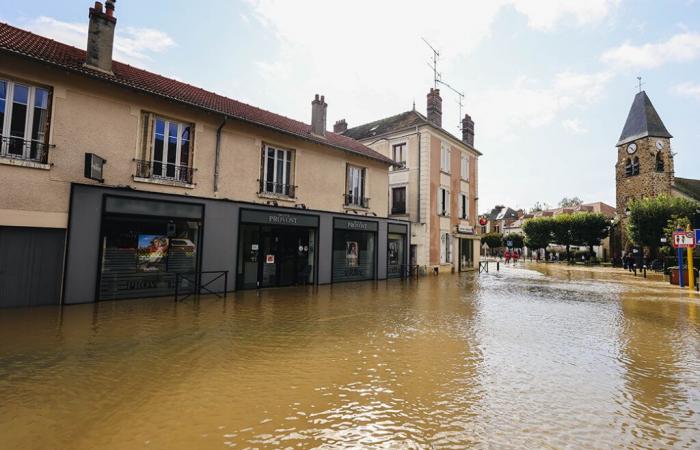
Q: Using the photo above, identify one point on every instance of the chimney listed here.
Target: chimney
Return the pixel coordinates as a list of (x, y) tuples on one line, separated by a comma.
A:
[(101, 37), (468, 130), (318, 116), (435, 107), (340, 126)]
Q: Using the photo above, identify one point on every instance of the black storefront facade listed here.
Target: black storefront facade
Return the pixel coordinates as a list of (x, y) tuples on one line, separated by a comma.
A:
[(124, 243)]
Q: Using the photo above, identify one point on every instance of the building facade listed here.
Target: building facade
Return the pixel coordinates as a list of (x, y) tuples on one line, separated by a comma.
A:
[(115, 179), (433, 184)]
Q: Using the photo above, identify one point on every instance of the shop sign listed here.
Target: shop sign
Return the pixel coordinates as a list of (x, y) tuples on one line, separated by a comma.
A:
[(398, 228), (275, 218), (465, 229), (683, 239), (357, 225), (93, 167)]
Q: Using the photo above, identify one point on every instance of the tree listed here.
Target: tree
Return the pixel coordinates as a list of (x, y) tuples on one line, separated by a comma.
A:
[(493, 240), (590, 229), (515, 238), (673, 224), (538, 232), (565, 233), (539, 206), (570, 202), (649, 216)]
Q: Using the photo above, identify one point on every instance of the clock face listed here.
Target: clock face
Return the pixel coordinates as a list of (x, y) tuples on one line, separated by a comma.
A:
[(631, 148), (659, 145)]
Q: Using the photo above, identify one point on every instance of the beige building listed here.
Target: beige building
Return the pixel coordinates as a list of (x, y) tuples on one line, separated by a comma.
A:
[(434, 183), (83, 135)]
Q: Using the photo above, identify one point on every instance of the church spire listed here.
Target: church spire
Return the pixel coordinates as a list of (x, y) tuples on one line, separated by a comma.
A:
[(642, 121)]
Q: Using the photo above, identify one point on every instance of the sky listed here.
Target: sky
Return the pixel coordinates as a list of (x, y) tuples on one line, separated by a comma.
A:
[(548, 83)]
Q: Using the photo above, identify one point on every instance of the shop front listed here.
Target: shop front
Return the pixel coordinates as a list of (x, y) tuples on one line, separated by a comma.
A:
[(465, 241), (396, 250), (354, 250), (276, 249), (144, 243)]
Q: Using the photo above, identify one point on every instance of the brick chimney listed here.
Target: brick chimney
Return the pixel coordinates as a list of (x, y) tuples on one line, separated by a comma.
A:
[(318, 116), (101, 37), (468, 130), (340, 126), (435, 107)]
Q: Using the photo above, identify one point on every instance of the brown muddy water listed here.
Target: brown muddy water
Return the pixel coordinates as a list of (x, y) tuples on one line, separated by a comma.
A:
[(516, 359)]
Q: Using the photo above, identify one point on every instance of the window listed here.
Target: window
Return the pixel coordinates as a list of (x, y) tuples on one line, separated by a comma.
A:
[(445, 247), (628, 167), (659, 162), (398, 200), (445, 154), (355, 189), (635, 166), (24, 121), (465, 167), (399, 154), (463, 206), (168, 150), (277, 171), (443, 202)]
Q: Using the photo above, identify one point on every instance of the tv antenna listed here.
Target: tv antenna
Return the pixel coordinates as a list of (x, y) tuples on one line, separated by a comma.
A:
[(437, 80)]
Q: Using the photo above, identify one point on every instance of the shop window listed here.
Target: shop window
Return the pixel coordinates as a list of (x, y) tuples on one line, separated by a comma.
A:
[(398, 200), (167, 152), (24, 121), (443, 203), (355, 187), (399, 154), (353, 255), (277, 171), (445, 155)]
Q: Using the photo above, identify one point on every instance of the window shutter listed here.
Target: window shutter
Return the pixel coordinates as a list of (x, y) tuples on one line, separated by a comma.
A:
[(363, 184), (190, 158), (147, 138), (447, 203), (439, 201), (262, 167)]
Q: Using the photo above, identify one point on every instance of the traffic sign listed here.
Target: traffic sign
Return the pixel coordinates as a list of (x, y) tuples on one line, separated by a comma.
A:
[(697, 235), (684, 239)]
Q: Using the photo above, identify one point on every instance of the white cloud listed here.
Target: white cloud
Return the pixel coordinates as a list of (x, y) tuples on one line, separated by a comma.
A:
[(545, 14), (681, 47), (688, 89), (132, 45), (574, 126)]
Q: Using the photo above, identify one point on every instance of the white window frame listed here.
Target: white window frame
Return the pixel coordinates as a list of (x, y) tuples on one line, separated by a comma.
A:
[(403, 162), (443, 202), (287, 156), (356, 182), (29, 119), (463, 206), (445, 156), (178, 148), (465, 167)]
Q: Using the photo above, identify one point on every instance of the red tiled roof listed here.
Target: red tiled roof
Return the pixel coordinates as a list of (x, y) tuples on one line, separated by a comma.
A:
[(30, 45)]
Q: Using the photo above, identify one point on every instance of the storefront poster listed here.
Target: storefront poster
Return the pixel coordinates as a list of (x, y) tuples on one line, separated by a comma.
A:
[(152, 253), (394, 252), (351, 253)]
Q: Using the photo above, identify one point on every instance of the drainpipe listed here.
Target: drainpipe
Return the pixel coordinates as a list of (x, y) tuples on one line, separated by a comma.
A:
[(217, 157)]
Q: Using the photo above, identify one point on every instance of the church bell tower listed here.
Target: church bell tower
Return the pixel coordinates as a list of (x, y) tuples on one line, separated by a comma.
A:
[(644, 160)]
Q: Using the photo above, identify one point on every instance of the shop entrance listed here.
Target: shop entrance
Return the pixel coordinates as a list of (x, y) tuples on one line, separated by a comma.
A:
[(466, 254), (275, 255)]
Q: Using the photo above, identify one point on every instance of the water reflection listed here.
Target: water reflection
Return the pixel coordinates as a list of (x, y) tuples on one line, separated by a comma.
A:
[(512, 359)]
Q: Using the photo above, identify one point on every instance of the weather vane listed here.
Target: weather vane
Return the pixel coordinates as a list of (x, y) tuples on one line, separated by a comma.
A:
[(639, 80)]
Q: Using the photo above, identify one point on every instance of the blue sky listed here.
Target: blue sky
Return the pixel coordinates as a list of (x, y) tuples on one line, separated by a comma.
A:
[(548, 82)]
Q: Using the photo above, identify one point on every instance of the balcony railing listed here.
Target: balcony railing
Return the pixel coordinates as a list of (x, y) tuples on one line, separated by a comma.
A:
[(274, 188), (164, 171), (17, 148), (398, 209), (354, 200)]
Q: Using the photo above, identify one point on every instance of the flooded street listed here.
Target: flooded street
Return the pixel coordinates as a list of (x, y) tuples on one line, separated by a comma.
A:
[(516, 359)]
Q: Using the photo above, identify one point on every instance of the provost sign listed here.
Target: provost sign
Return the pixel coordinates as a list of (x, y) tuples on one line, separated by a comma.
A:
[(684, 239)]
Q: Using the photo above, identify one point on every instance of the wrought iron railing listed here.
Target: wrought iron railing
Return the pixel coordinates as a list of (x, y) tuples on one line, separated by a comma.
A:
[(274, 188), (189, 284), (25, 150), (164, 171), (354, 200)]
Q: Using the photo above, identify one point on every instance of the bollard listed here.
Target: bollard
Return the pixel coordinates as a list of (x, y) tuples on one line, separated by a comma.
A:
[(498, 266), (644, 271), (635, 270)]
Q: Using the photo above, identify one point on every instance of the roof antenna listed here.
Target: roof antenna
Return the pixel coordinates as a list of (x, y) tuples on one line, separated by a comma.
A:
[(437, 79), (639, 80)]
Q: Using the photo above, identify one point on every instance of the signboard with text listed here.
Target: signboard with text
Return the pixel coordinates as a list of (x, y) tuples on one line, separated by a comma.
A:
[(684, 239)]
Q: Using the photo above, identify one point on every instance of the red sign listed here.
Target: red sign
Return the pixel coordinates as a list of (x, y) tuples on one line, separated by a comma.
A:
[(683, 239), (483, 221)]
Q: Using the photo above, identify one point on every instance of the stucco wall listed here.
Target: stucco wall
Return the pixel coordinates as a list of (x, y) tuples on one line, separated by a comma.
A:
[(97, 117)]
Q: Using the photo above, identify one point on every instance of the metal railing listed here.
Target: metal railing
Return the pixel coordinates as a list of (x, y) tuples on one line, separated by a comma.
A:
[(353, 200), (25, 150), (164, 171), (399, 209), (195, 286), (274, 188)]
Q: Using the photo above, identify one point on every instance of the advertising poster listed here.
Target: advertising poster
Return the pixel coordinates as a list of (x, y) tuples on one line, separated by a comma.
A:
[(351, 254), (152, 253), (394, 252)]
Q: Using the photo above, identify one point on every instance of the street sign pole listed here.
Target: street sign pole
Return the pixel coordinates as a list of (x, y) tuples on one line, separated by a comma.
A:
[(691, 274), (680, 264)]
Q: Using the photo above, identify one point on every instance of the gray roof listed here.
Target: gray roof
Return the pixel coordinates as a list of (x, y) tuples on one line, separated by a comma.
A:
[(688, 186), (642, 121)]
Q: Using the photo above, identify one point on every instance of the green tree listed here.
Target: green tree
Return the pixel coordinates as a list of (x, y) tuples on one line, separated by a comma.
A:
[(672, 226), (493, 240), (565, 233), (590, 229), (538, 232), (515, 238), (649, 216), (570, 202)]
